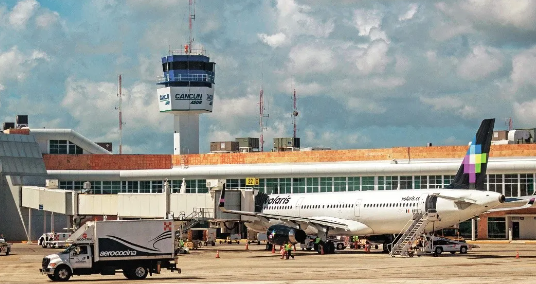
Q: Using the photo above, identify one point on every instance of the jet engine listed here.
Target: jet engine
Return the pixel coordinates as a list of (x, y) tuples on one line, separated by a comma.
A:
[(281, 234)]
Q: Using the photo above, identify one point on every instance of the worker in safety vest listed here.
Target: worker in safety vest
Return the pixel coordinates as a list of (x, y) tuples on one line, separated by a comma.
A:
[(356, 241), (288, 250)]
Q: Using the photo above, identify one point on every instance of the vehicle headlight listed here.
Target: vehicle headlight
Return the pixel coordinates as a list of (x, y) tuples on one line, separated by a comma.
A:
[(52, 265)]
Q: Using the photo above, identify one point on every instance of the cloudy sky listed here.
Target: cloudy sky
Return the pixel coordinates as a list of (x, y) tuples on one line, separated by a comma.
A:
[(368, 74)]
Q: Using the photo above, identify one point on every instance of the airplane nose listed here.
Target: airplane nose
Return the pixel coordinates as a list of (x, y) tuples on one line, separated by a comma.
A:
[(502, 199)]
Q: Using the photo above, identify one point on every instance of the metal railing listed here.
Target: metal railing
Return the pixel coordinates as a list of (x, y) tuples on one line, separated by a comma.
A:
[(185, 78)]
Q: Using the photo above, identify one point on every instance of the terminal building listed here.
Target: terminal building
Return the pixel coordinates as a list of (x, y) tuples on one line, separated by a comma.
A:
[(44, 186)]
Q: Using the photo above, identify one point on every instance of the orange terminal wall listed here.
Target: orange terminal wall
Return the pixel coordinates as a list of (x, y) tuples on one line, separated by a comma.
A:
[(140, 162)]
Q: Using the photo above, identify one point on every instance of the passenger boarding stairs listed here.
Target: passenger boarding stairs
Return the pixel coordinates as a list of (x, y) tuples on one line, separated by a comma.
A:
[(198, 215), (416, 227)]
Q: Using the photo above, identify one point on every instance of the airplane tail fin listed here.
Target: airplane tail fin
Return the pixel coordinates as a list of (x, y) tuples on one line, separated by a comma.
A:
[(472, 172)]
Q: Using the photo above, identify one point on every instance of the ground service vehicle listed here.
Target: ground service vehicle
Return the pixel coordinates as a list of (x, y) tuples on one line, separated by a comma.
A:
[(5, 247), (440, 245), (53, 240), (137, 248)]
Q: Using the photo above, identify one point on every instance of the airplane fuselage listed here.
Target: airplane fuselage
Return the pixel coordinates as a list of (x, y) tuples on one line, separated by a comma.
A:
[(379, 212)]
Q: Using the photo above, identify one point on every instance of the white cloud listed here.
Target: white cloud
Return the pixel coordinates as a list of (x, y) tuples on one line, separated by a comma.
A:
[(525, 112), (365, 20), (233, 109), (413, 8), (524, 68), (274, 40), (302, 88), (22, 12), (293, 20), (450, 104), (480, 63), (97, 113), (2, 87), (306, 59), (375, 59), (47, 19), (520, 13), (16, 65), (362, 105)]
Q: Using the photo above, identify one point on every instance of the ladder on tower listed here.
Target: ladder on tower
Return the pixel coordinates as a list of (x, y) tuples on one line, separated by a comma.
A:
[(416, 227)]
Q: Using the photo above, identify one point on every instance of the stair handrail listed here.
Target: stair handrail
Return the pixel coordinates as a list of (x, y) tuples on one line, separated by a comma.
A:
[(405, 231)]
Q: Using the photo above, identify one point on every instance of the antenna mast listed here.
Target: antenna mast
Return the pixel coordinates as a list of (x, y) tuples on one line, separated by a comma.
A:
[(294, 114), (261, 116), (190, 18), (120, 118)]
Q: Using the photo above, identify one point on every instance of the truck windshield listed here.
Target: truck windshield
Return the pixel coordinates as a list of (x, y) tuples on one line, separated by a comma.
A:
[(68, 250)]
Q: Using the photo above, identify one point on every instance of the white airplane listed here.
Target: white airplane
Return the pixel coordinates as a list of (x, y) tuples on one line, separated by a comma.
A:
[(382, 214)]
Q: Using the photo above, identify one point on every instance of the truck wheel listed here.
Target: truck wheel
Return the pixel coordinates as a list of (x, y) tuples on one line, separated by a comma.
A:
[(139, 273), (62, 273), (438, 250), (340, 246), (463, 250), (51, 277)]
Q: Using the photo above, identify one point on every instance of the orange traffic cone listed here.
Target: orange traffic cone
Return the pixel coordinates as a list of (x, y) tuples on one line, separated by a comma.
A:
[(217, 254), (517, 254), (273, 248), (247, 248)]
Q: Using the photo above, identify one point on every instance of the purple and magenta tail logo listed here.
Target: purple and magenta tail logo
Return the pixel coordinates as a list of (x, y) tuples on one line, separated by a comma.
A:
[(473, 160)]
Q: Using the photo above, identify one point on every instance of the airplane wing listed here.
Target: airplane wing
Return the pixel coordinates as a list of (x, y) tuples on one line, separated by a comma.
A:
[(457, 199), (529, 203), (324, 223)]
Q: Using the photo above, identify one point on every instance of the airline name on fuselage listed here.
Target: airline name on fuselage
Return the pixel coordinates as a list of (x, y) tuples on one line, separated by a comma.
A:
[(411, 198), (188, 97), (278, 200)]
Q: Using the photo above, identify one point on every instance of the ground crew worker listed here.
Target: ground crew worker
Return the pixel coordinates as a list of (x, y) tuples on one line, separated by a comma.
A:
[(317, 242), (181, 243), (288, 250)]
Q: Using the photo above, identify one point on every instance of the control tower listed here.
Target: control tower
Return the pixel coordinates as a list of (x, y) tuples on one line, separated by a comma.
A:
[(186, 89)]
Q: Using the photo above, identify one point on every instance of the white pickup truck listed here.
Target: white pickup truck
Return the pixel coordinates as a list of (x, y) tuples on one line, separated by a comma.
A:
[(53, 240), (138, 248)]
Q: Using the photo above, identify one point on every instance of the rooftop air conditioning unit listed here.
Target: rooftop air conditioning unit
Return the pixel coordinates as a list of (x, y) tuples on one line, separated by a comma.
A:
[(51, 183)]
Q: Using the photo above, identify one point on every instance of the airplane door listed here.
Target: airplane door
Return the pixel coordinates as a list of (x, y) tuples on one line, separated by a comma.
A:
[(357, 207), (298, 206), (431, 203)]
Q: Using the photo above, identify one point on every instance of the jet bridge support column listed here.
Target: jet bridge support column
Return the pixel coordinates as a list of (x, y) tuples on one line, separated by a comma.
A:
[(473, 229), (29, 225)]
